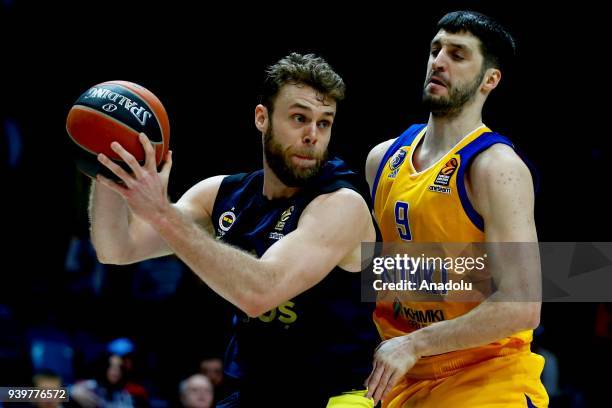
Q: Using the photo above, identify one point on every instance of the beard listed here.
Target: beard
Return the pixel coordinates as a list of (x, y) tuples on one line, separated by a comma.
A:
[(279, 161), (458, 96)]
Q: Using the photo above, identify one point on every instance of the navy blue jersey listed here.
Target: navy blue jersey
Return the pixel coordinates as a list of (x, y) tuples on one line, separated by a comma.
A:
[(323, 339)]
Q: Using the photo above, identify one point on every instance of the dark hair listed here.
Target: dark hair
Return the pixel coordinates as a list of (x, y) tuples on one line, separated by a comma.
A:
[(301, 69), (496, 43), (45, 373)]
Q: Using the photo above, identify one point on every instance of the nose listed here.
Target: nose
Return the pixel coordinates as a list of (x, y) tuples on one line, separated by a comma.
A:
[(439, 61), (310, 133)]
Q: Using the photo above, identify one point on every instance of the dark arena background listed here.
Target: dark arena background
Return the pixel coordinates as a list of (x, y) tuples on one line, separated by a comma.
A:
[(60, 309)]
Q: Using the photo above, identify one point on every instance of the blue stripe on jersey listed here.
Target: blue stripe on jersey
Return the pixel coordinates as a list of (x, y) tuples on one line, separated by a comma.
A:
[(467, 154), (529, 403), (405, 139)]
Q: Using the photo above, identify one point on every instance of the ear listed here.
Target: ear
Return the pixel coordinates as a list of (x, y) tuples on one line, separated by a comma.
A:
[(491, 79), (261, 118)]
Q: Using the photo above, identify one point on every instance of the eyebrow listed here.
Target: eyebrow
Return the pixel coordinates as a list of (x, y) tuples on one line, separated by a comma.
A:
[(452, 44), (299, 105)]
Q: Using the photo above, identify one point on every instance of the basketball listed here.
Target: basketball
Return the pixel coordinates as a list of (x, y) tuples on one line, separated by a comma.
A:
[(116, 111)]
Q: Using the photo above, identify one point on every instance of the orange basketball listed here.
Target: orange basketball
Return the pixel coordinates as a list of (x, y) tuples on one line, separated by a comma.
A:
[(116, 111)]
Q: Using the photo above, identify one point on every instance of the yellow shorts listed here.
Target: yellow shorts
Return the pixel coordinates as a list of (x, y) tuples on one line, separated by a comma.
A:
[(509, 381), (352, 399)]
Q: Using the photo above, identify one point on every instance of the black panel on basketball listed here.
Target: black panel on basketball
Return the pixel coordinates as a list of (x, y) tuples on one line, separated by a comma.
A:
[(122, 104)]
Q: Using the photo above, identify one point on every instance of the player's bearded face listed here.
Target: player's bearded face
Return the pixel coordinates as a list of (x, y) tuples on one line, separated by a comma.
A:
[(279, 160), (458, 94)]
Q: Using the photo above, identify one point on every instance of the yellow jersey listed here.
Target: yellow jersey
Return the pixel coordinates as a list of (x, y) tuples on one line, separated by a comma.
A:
[(432, 205)]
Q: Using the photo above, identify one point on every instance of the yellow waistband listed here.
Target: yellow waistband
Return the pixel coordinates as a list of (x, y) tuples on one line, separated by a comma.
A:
[(447, 364)]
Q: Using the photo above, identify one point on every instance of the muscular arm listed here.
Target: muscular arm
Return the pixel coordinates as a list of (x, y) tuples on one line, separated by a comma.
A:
[(295, 263), (329, 233), (501, 190), (120, 237)]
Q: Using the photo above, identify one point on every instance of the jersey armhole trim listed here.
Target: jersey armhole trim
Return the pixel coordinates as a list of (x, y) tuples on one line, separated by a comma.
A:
[(405, 139), (467, 154)]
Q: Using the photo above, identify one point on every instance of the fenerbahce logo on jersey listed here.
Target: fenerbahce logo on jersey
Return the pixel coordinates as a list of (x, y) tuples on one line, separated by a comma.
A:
[(442, 181), (226, 220), (395, 162), (280, 225)]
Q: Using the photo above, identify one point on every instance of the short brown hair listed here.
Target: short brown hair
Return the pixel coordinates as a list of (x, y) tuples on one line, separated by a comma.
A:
[(306, 69)]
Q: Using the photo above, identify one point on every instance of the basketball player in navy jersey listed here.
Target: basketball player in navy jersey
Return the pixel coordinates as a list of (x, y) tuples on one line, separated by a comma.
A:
[(282, 244)]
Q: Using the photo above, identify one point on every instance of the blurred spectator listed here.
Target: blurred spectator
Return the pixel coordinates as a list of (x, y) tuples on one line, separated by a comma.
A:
[(122, 347), (196, 392), (212, 367), (112, 388), (50, 349), (48, 380)]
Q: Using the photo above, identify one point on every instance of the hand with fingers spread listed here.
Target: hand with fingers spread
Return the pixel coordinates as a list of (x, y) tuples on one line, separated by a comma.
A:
[(393, 358), (145, 190)]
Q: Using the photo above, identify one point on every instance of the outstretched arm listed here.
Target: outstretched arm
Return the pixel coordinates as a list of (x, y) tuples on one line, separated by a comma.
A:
[(293, 264)]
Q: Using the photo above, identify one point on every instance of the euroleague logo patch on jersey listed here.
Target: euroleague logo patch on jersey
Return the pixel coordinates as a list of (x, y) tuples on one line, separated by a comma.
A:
[(284, 218), (444, 176), (396, 161), (442, 181), (280, 225), (226, 220)]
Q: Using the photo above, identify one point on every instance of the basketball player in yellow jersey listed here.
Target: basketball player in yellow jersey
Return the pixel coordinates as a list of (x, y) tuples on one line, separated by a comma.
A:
[(454, 180)]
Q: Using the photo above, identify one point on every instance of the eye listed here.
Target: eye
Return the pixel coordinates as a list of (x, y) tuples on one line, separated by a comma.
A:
[(458, 56), (324, 124), (435, 51), (299, 118)]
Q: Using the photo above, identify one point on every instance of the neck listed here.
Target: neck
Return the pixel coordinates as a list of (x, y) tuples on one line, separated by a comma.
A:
[(273, 187), (444, 132)]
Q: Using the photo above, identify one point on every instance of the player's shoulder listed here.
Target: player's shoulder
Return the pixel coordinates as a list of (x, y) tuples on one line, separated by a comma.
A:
[(201, 197), (343, 196), (497, 158), (344, 211), (224, 184), (500, 185), (500, 169), (374, 158), (206, 186), (378, 151), (344, 203)]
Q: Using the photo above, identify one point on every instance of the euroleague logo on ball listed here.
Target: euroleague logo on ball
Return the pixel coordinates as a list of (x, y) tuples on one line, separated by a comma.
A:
[(109, 107), (139, 112), (116, 111)]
